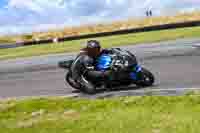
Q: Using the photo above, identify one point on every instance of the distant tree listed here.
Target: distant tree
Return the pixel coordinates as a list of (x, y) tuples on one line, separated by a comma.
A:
[(28, 37)]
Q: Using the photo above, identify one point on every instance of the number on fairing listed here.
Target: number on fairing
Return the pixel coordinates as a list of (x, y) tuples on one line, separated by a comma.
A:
[(118, 62)]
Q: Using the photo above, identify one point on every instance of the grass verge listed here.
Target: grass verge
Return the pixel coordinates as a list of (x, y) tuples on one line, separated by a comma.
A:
[(110, 41), (119, 115), (103, 27)]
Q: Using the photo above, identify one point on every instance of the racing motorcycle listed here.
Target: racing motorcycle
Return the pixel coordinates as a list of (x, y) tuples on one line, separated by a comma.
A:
[(125, 71)]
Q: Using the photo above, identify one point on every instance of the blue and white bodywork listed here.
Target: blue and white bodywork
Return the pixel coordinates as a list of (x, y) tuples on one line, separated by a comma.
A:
[(104, 62)]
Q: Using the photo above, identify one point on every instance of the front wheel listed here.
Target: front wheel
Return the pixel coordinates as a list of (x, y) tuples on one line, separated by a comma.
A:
[(88, 88), (71, 81), (147, 78)]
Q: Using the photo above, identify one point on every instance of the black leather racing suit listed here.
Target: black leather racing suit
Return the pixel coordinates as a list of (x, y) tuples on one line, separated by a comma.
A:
[(83, 69)]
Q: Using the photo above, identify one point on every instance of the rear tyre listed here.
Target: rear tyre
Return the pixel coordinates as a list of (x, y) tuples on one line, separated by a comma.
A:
[(147, 78)]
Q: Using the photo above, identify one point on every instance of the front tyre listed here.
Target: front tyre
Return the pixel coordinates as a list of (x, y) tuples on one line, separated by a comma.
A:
[(71, 81), (87, 88), (147, 78)]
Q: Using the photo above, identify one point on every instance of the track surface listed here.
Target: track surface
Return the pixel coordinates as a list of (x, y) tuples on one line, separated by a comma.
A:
[(176, 64)]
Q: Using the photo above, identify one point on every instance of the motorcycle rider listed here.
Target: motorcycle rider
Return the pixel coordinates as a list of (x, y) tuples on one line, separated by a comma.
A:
[(83, 67)]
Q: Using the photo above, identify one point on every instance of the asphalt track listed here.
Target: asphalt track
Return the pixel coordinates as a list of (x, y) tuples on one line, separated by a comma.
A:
[(175, 64)]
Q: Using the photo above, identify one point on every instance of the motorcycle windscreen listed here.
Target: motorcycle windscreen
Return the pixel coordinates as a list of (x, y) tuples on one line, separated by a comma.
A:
[(103, 62)]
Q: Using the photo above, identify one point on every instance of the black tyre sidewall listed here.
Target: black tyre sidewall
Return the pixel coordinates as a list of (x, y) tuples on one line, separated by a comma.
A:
[(90, 89), (147, 73), (79, 87), (67, 78)]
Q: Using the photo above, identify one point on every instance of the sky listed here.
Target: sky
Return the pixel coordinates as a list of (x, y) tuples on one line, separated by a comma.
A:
[(21, 16)]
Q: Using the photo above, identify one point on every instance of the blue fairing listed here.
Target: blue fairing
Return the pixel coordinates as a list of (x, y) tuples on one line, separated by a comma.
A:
[(103, 62)]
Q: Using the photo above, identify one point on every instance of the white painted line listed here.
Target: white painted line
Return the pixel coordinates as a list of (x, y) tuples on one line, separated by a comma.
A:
[(196, 45), (40, 96), (174, 89), (142, 91)]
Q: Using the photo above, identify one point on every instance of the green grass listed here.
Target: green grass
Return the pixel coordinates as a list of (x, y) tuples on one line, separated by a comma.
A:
[(111, 41), (119, 115)]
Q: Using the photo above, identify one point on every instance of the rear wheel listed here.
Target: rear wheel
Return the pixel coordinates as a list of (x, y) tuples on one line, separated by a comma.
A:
[(147, 78)]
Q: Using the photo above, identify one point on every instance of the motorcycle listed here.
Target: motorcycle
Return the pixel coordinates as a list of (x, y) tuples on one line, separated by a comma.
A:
[(125, 71)]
